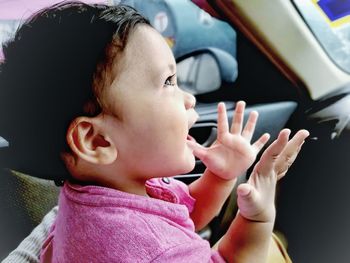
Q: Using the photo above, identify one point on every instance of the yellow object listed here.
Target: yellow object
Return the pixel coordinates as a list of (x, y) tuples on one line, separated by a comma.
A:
[(338, 22), (278, 252)]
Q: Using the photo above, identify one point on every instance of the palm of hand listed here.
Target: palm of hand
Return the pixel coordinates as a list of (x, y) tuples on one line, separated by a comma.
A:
[(232, 153), (231, 156), (256, 197)]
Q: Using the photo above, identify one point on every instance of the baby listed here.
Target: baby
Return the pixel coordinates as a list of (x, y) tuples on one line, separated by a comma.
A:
[(96, 105)]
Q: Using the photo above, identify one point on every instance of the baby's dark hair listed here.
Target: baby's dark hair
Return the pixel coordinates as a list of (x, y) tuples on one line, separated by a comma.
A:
[(55, 69)]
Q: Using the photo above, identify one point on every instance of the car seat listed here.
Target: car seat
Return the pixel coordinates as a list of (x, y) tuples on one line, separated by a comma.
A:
[(24, 200)]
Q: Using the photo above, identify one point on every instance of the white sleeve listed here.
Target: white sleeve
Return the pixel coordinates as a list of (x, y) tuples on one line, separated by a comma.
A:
[(28, 250)]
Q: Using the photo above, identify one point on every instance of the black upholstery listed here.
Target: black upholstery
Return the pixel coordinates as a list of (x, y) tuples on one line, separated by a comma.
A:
[(24, 200)]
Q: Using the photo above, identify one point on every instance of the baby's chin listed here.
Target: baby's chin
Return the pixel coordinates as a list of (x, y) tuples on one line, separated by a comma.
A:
[(190, 163)]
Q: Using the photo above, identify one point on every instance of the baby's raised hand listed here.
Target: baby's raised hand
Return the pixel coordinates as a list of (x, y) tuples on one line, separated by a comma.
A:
[(256, 197), (232, 154)]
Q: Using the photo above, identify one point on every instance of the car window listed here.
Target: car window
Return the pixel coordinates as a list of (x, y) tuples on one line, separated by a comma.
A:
[(7, 29), (330, 23)]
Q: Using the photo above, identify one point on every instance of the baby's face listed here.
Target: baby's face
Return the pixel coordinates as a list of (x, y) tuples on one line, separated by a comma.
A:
[(151, 133)]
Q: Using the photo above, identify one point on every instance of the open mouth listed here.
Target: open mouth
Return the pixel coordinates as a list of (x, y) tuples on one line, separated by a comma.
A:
[(190, 138)]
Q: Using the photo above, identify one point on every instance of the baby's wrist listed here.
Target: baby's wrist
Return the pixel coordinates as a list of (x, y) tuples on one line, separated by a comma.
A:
[(223, 178), (226, 176), (263, 217)]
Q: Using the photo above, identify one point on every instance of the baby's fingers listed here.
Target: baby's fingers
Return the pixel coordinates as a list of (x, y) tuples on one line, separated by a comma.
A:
[(290, 153), (248, 201), (222, 121), (270, 155), (246, 193), (249, 128), (198, 150), (260, 143), (237, 121)]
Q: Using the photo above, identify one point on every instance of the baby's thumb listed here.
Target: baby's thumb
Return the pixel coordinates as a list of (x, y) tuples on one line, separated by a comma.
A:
[(247, 196), (198, 150)]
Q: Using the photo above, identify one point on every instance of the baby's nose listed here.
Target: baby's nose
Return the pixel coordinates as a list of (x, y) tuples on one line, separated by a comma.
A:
[(190, 100)]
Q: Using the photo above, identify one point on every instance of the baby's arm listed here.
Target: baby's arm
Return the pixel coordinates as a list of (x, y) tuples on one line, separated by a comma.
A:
[(249, 236), (30, 247), (229, 157)]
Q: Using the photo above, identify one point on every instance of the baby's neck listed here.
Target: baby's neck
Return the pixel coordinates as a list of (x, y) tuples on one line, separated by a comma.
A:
[(114, 178), (129, 186)]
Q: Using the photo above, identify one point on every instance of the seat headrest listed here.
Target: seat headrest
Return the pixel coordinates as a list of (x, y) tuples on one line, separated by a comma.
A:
[(189, 29), (3, 143)]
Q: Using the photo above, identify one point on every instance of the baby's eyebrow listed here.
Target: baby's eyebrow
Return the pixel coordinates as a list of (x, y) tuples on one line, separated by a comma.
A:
[(172, 67), (161, 72), (166, 70)]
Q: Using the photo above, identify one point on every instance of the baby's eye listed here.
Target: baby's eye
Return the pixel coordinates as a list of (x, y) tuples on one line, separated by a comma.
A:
[(170, 81)]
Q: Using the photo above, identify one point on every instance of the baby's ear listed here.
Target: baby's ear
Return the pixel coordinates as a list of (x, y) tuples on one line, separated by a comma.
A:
[(86, 138)]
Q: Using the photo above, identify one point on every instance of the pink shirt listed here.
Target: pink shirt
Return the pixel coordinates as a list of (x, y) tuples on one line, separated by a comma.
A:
[(98, 224)]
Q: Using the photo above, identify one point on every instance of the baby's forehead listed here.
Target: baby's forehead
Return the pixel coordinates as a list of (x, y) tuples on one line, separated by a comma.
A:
[(146, 49)]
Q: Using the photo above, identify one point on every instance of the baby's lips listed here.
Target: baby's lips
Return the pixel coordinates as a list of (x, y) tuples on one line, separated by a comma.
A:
[(191, 142), (190, 138)]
